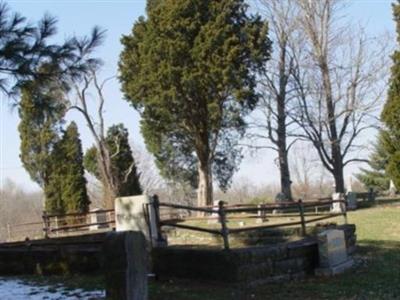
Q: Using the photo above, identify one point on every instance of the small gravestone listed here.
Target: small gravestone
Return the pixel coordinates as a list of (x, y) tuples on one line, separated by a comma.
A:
[(125, 266), (392, 188), (333, 258), (214, 215), (261, 214), (351, 200), (371, 194), (99, 219)]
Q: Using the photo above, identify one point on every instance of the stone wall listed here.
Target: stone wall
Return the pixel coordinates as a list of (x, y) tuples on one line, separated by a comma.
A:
[(248, 266), (68, 255)]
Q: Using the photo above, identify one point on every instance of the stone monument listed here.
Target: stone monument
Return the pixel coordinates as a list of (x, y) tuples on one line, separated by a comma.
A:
[(333, 258), (351, 200), (392, 188), (99, 218), (137, 213)]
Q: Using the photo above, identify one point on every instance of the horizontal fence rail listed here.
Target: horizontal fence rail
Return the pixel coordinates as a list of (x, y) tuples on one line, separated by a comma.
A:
[(71, 223), (223, 213)]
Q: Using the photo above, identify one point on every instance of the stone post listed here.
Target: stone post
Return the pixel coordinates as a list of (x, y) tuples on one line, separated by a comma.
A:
[(130, 214), (125, 264)]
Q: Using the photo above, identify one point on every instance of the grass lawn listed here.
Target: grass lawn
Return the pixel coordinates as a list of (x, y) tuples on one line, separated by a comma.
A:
[(375, 276)]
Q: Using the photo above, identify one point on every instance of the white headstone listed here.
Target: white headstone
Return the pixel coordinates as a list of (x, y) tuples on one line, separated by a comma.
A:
[(96, 217), (130, 214), (349, 185), (214, 215), (332, 251), (392, 188)]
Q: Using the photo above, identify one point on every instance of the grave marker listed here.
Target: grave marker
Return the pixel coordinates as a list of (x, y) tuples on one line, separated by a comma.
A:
[(333, 258)]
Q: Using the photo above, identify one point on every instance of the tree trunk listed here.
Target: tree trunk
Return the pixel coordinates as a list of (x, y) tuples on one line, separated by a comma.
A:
[(282, 148), (109, 189), (204, 191), (337, 159), (285, 174), (338, 176), (281, 126)]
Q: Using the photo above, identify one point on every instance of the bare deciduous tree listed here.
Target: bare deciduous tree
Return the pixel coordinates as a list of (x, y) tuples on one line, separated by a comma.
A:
[(81, 91), (271, 122), (340, 78)]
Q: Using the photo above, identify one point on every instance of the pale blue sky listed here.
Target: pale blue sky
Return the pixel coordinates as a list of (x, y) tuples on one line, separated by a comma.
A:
[(117, 17)]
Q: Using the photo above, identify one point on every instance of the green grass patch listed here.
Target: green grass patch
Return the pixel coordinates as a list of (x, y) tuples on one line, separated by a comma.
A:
[(375, 276)]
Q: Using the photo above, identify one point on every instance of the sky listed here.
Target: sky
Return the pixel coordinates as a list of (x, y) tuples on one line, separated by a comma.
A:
[(77, 17)]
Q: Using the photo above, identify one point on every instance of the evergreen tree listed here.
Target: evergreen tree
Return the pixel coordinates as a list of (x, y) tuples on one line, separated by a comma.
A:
[(376, 176), (54, 203), (122, 161), (24, 47), (66, 188), (123, 166), (391, 111), (74, 193), (190, 70), (41, 112)]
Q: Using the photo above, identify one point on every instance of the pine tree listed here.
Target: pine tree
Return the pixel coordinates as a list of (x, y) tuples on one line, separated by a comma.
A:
[(65, 190), (73, 182), (190, 69), (124, 172), (41, 112), (25, 47), (391, 111), (376, 176)]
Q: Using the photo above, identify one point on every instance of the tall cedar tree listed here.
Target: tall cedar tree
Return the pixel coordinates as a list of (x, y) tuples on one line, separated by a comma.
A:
[(41, 112), (24, 47), (375, 177), (123, 164), (391, 111), (66, 189), (190, 69)]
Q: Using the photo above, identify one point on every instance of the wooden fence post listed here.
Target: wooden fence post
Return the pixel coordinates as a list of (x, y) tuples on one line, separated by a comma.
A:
[(46, 224), (224, 228), (156, 204), (301, 211)]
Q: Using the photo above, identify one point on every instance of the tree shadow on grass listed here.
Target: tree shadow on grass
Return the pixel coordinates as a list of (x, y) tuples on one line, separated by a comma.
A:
[(376, 275)]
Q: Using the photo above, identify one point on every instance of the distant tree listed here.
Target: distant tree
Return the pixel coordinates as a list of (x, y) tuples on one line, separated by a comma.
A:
[(123, 167), (376, 176), (190, 69), (25, 47), (391, 111), (41, 112)]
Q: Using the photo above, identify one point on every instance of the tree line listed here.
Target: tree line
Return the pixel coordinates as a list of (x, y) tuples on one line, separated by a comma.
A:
[(205, 76)]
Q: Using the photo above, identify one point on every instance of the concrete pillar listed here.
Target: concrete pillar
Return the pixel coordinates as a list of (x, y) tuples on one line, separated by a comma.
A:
[(137, 213), (125, 266)]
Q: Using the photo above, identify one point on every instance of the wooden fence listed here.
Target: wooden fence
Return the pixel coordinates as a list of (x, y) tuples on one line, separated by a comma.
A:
[(313, 209), (72, 223)]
